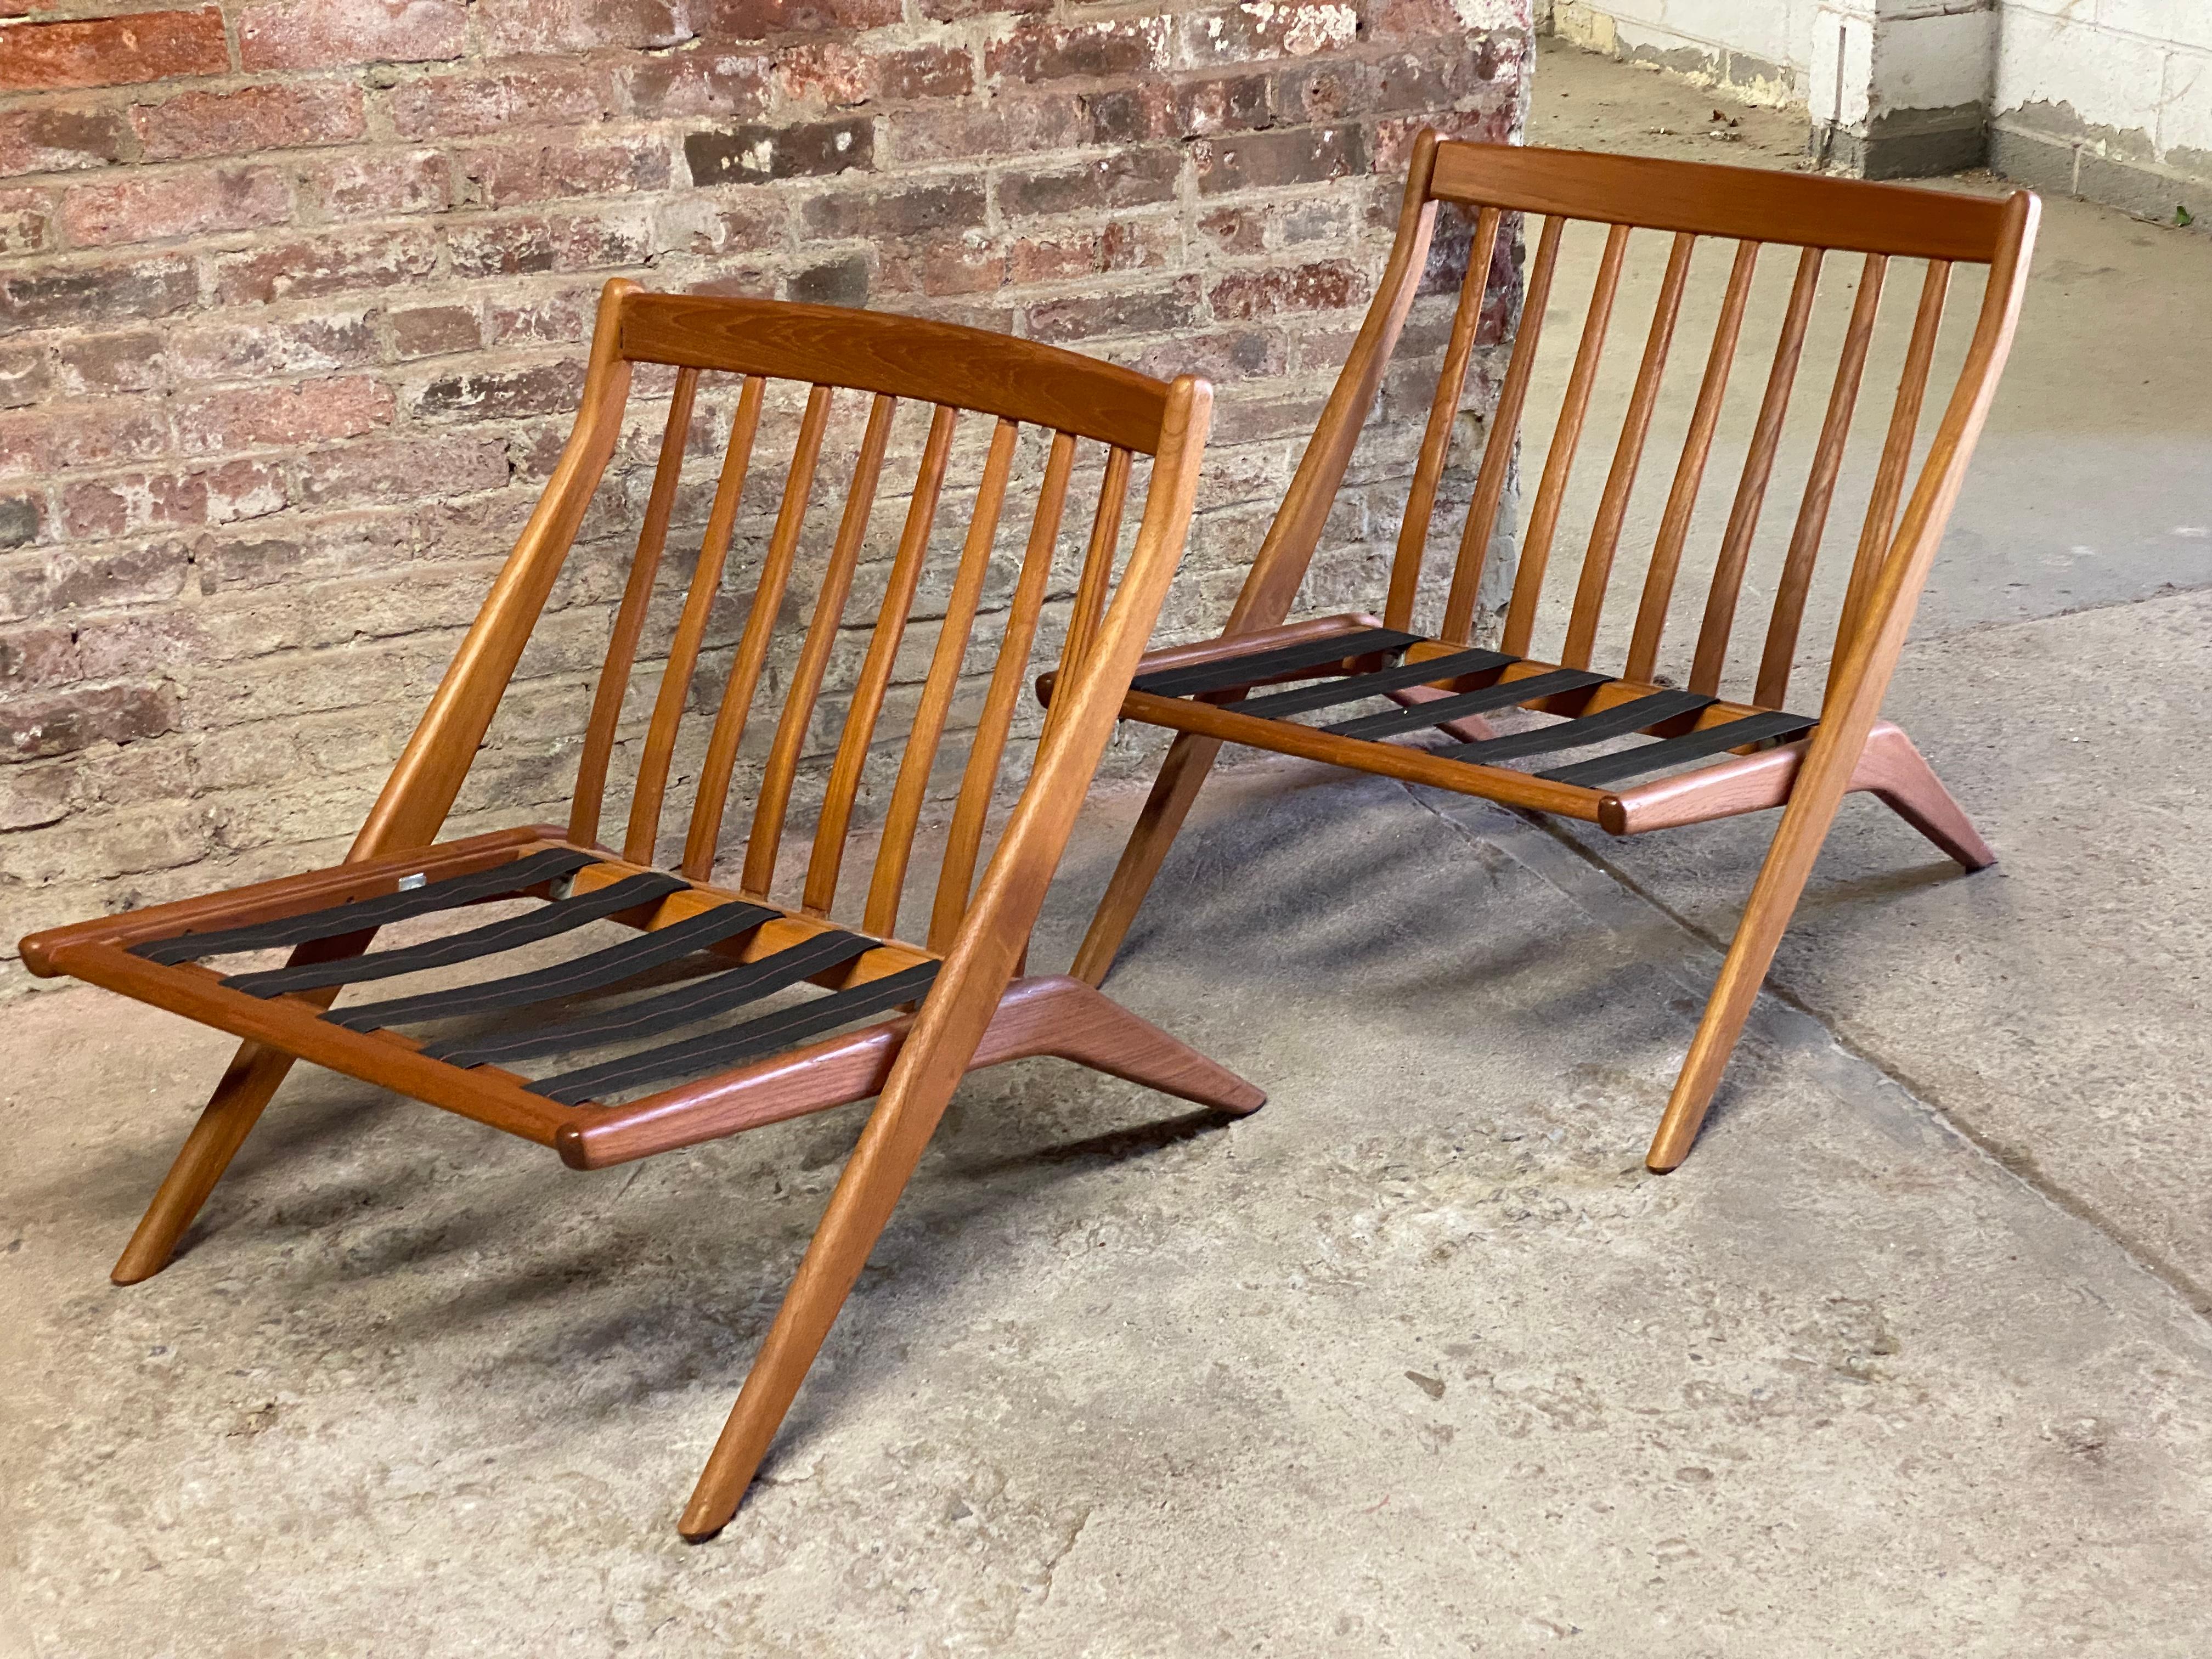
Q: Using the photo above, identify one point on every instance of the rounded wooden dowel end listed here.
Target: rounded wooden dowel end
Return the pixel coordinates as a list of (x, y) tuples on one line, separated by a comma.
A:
[(700, 1530), (136, 1266)]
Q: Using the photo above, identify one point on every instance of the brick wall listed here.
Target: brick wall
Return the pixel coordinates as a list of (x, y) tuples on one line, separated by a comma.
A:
[(293, 295)]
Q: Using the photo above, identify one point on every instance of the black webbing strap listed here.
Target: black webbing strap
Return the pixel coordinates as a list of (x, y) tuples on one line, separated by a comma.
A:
[(1615, 722), (649, 1017), (1329, 693), (1503, 694), (1229, 671), (543, 922), (445, 894), (1672, 751), (713, 1051), (623, 960)]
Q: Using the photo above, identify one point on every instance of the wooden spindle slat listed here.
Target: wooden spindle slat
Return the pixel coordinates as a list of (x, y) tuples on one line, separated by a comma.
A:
[(1751, 489), (630, 616), (887, 887), (729, 731), (766, 839), (956, 878), (1504, 431), (691, 628), (1896, 456), (1566, 438), (1627, 456), (1098, 561), (821, 890), (1819, 490), (1443, 415), (1690, 471)]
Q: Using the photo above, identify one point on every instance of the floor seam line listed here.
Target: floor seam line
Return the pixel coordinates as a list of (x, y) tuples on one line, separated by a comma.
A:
[(2196, 1297)]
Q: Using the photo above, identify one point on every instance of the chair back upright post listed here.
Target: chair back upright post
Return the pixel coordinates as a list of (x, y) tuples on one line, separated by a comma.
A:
[(1807, 219), (1008, 384)]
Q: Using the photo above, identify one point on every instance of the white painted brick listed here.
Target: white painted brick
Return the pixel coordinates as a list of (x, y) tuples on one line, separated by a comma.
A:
[(2170, 22), (2184, 121), (2110, 79), (1934, 62)]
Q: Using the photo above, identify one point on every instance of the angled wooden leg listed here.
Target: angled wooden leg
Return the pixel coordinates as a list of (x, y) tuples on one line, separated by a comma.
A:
[(1901, 779), (232, 1112), (1190, 758), (1091, 1029)]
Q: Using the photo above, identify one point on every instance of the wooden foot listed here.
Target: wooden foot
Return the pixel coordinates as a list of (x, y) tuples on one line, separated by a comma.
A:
[(232, 1112), (1189, 759), (1904, 781), (1091, 1029)]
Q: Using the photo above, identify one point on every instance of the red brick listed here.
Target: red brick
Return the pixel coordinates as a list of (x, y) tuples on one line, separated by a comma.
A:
[(34, 727), (516, 28), (737, 221), (76, 294), (1122, 245), (25, 373), (499, 394), (1222, 355), (137, 502), (23, 518), (553, 319), (512, 247), (100, 365), (177, 203), (196, 123), (332, 33), (1270, 161), (945, 11), (1131, 178), (516, 173), (1037, 52), (1129, 115), (128, 573), (1235, 229), (51, 138), (27, 222), (401, 468), (434, 330), (1142, 311), (756, 19), (112, 52), (1390, 142), (1325, 285), (926, 72), (701, 83), (830, 73), (380, 183), (954, 205), (550, 93), (752, 154), (1243, 35), (1235, 104), (943, 265), (267, 417), (1010, 124), (49, 438), (324, 265), (228, 350)]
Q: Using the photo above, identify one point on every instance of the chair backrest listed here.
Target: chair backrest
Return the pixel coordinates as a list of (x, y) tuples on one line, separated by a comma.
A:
[(1807, 219), (875, 360)]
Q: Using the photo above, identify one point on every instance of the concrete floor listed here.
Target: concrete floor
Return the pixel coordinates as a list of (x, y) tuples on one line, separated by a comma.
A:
[(1913, 1356)]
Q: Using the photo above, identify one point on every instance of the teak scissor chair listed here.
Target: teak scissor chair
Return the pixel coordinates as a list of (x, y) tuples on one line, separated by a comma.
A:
[(1703, 742), (705, 1080)]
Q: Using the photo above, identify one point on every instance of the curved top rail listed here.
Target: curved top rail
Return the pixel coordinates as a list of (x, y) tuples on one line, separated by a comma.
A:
[(1709, 200), (907, 357)]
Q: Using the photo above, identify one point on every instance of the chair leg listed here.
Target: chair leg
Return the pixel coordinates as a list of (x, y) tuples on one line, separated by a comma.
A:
[(1190, 758), (232, 1111), (1901, 779), (1091, 1029)]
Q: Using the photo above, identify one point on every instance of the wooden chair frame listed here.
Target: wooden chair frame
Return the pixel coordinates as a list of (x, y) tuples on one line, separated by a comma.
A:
[(973, 1010), (1201, 690)]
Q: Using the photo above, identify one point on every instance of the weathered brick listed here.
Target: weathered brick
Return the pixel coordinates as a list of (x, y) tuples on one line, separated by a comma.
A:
[(25, 372), (399, 469), (955, 205), (277, 117), (1129, 178), (1129, 115), (736, 221), (184, 203), (511, 247), (499, 394), (74, 294), (545, 319), (332, 264), (112, 52), (57, 138), (379, 184), (102, 365), (22, 518), (803, 149), (700, 83), (833, 74), (945, 11), (27, 222), (943, 264), (1326, 285), (34, 795), (1234, 103), (1244, 34), (1271, 160), (50, 439), (926, 72), (519, 27), (34, 728), (131, 504), (332, 33), (839, 283), (1156, 311), (756, 19), (1124, 245), (268, 417), (434, 330), (294, 345), (1010, 124), (1034, 52), (550, 93), (1235, 229), (132, 574), (516, 173)]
